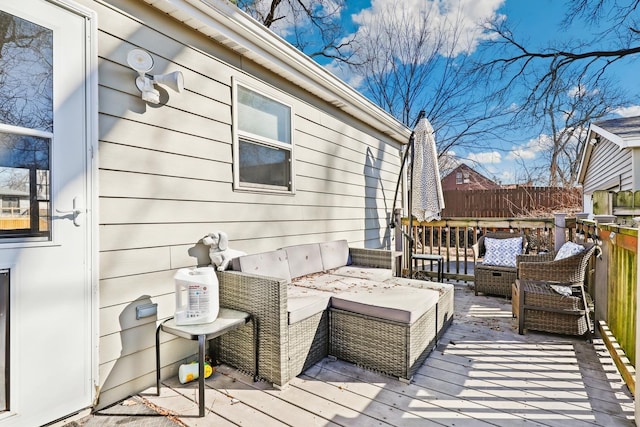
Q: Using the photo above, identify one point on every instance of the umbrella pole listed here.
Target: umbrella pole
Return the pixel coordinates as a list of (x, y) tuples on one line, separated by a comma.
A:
[(410, 195), (410, 206)]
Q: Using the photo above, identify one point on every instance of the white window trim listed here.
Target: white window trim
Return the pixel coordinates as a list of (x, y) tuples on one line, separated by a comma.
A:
[(237, 134)]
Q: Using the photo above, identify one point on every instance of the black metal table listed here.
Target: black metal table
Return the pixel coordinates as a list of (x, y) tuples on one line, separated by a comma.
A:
[(227, 320), (439, 259)]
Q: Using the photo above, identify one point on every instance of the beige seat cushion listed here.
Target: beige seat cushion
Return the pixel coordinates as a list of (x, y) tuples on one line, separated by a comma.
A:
[(370, 273), (303, 303), (399, 304)]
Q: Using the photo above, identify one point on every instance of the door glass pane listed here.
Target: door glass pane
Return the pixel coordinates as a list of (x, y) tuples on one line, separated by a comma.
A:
[(26, 102), (24, 185), (26, 74)]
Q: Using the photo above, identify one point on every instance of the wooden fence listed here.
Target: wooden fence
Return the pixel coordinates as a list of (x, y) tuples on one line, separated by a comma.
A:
[(511, 202)]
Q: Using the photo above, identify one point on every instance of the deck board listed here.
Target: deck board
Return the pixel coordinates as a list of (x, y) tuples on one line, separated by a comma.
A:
[(481, 373)]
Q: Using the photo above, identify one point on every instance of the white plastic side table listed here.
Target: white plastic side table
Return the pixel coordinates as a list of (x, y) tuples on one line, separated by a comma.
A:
[(227, 321)]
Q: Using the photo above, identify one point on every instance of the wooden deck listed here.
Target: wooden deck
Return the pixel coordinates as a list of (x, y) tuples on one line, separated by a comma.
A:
[(482, 373)]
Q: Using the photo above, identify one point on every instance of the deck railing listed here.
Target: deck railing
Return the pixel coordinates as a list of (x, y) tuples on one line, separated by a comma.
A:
[(453, 238), (612, 278)]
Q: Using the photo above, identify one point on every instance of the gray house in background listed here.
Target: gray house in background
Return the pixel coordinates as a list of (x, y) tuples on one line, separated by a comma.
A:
[(262, 143), (611, 158)]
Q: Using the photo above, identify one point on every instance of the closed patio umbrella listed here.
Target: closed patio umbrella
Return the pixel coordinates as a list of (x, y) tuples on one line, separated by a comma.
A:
[(426, 200)]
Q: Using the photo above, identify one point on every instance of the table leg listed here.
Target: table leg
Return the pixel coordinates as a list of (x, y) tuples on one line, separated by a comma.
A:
[(158, 360), (201, 342)]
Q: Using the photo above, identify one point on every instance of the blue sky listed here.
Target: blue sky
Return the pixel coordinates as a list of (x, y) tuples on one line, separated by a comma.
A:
[(535, 23)]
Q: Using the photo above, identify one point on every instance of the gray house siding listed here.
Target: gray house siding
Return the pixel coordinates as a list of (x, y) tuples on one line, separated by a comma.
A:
[(166, 179), (608, 166)]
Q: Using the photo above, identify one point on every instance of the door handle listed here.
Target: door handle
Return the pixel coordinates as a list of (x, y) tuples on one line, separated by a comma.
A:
[(73, 212)]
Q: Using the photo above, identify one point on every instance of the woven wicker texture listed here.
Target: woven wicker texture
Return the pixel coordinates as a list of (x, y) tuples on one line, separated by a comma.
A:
[(543, 309), (396, 349), (376, 258), (543, 267), (286, 350), (492, 279), (266, 299)]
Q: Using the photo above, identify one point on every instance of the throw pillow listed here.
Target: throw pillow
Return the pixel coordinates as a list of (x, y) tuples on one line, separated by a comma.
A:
[(502, 252), (562, 290), (568, 249)]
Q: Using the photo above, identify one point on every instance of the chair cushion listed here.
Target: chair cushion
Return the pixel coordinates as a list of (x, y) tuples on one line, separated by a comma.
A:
[(303, 303), (334, 254), (568, 249), (399, 304), (272, 264), (304, 259), (502, 252)]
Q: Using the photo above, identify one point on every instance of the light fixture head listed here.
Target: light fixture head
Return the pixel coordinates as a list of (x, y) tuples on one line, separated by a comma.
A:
[(140, 61), (174, 80)]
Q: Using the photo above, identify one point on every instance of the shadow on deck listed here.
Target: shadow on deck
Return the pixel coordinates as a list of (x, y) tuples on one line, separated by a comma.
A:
[(482, 373)]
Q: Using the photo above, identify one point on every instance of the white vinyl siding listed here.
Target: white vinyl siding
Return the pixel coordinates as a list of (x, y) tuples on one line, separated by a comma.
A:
[(166, 180), (610, 168)]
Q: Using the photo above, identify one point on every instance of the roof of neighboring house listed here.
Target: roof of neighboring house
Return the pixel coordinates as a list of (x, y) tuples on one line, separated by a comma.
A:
[(238, 31), (624, 131), (476, 181)]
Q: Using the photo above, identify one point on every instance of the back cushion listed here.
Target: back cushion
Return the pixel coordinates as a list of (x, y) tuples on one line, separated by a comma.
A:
[(272, 264), (334, 254), (304, 259)]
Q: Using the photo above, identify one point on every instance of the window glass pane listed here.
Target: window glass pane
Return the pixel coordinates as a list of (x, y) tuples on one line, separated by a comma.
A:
[(264, 165), (262, 116), (26, 74), (24, 185)]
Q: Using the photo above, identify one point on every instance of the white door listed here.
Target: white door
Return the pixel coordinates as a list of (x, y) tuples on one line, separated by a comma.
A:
[(45, 226)]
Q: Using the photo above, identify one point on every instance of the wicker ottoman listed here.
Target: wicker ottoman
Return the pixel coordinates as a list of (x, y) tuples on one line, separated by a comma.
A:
[(494, 280), (390, 331), (541, 308)]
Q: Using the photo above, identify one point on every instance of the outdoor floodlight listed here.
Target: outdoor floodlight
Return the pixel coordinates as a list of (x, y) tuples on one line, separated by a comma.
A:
[(142, 62)]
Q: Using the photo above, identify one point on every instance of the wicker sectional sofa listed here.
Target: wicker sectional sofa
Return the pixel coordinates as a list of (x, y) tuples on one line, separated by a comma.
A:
[(315, 300)]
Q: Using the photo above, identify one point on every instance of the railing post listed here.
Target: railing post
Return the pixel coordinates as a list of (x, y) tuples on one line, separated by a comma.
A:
[(559, 233)]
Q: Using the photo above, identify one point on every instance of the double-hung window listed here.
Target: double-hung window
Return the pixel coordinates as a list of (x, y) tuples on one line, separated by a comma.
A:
[(263, 146)]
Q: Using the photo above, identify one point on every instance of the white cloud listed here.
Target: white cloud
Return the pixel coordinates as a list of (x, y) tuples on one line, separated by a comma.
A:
[(530, 149), (631, 111), (460, 19), (581, 90), (486, 157), (338, 69), (288, 19)]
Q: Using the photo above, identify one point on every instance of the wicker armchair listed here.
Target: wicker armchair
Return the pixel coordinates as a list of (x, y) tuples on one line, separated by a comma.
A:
[(493, 279), (539, 307)]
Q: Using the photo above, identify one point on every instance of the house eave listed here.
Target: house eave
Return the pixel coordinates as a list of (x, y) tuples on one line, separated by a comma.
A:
[(230, 26)]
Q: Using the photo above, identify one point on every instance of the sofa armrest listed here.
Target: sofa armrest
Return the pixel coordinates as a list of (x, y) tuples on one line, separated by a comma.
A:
[(376, 258), (265, 298)]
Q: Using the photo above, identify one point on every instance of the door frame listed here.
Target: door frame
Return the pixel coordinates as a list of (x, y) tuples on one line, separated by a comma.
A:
[(91, 147)]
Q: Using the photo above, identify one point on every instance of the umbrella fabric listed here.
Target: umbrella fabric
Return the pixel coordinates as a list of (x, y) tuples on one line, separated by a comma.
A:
[(428, 199)]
